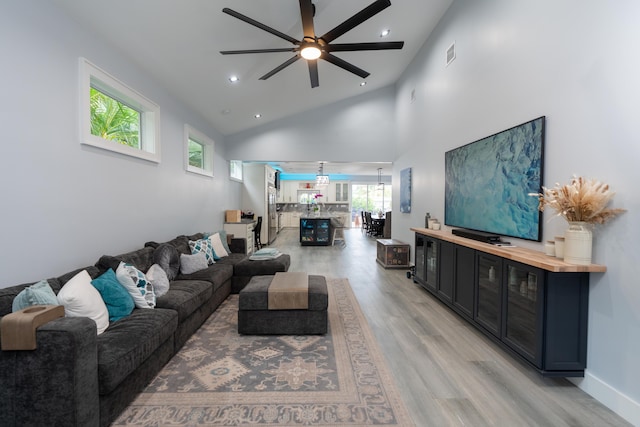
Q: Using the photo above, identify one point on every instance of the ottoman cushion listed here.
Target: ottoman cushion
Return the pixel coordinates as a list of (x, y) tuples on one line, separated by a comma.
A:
[(255, 295), (254, 317)]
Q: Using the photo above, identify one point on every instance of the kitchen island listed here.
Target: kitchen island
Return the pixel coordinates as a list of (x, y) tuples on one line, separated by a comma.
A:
[(315, 230)]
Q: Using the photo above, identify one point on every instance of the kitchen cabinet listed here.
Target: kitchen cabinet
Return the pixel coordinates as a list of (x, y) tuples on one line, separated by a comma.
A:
[(242, 230), (341, 192), (532, 305)]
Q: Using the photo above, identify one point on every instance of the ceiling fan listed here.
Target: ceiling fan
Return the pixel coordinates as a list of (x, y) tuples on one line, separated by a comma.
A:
[(312, 48)]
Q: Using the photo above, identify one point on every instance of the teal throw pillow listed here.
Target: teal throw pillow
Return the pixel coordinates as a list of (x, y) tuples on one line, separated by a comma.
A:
[(117, 299), (37, 294)]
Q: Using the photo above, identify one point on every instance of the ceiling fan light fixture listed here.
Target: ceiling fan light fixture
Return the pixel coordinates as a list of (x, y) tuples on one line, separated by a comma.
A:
[(310, 52)]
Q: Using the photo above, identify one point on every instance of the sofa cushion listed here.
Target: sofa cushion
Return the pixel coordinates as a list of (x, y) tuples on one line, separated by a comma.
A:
[(181, 243), (117, 299), (37, 294), (216, 274), (129, 342), (137, 284), (167, 257), (186, 296), (142, 259), (232, 259), (81, 299)]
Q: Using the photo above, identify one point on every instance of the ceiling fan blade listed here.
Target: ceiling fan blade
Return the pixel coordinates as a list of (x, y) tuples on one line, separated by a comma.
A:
[(344, 65), (306, 11), (350, 47), (236, 52), (313, 73), (357, 19), (259, 25), (280, 67)]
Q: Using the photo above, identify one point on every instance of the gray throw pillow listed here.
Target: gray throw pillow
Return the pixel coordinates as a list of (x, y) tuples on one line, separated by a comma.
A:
[(168, 258), (192, 263)]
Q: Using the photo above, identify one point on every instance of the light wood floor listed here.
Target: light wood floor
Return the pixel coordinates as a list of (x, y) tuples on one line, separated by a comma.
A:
[(449, 374)]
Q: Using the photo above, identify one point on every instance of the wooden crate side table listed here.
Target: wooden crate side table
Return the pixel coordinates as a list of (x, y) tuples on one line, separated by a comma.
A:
[(393, 253)]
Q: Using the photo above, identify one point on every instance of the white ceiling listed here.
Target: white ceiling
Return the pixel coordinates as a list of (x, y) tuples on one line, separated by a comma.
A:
[(178, 44)]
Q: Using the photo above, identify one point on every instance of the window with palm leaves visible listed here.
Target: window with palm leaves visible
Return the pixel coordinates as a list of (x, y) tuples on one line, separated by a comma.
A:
[(115, 117), (113, 120), (198, 152)]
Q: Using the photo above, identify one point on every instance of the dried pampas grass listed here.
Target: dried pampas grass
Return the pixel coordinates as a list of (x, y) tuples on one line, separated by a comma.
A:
[(582, 200)]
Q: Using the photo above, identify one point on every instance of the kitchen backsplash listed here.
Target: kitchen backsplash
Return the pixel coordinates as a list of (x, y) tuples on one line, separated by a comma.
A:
[(325, 207)]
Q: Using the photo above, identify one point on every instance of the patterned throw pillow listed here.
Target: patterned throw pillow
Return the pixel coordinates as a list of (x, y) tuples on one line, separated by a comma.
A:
[(204, 246), (139, 287), (37, 294)]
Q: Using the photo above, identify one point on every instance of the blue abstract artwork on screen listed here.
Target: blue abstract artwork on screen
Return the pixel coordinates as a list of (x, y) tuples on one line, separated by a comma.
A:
[(487, 182)]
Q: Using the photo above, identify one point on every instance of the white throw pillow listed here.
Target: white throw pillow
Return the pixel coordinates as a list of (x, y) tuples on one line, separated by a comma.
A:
[(139, 287), (218, 247), (158, 278), (81, 299)]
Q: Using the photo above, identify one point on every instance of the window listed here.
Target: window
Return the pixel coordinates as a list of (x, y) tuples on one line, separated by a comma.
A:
[(235, 170), (371, 198), (115, 117), (198, 152)]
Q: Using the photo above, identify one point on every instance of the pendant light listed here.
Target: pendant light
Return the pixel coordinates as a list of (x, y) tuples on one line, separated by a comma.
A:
[(322, 180)]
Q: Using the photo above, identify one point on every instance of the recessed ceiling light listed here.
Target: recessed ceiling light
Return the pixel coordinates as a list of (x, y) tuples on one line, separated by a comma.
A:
[(225, 112), (257, 116), (385, 32), (234, 78), (363, 83)]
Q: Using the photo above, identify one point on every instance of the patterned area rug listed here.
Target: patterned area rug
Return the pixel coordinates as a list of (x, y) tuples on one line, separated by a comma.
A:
[(222, 378)]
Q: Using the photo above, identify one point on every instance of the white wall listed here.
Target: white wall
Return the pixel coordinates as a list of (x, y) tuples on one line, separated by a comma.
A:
[(64, 205), (357, 129), (573, 62)]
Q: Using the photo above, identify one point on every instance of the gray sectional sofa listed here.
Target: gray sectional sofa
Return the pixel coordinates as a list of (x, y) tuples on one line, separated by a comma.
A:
[(78, 378)]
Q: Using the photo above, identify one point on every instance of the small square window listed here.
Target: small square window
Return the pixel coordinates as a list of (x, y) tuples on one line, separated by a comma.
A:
[(198, 152)]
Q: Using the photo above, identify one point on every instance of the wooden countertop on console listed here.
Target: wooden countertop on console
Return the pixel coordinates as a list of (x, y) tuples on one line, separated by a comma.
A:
[(523, 255)]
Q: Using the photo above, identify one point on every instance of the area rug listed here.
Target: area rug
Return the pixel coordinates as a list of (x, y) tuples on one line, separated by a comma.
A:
[(222, 378)]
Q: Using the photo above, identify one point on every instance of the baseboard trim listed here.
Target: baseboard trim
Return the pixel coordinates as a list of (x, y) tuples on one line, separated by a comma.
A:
[(613, 399)]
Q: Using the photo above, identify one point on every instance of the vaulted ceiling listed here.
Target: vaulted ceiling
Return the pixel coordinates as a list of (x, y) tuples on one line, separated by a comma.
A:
[(179, 42)]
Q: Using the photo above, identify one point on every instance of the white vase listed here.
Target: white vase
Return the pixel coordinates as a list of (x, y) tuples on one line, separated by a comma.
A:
[(577, 243)]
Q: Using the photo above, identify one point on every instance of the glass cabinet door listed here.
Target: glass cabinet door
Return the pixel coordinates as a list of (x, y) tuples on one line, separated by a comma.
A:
[(421, 272), (521, 318), (431, 260), (488, 296)]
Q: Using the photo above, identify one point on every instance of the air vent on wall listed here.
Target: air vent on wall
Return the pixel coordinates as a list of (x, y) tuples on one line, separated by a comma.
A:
[(451, 53)]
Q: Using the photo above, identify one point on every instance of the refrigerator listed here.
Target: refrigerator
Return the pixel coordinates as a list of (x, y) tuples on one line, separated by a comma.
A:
[(272, 213)]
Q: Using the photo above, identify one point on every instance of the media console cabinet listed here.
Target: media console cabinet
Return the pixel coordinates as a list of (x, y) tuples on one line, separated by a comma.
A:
[(533, 305)]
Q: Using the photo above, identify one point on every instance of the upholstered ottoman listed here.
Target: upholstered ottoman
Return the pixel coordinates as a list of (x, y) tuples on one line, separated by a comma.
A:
[(244, 270), (255, 318)]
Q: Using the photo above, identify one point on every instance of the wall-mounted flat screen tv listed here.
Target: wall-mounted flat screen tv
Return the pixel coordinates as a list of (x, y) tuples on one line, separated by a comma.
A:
[(487, 183)]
